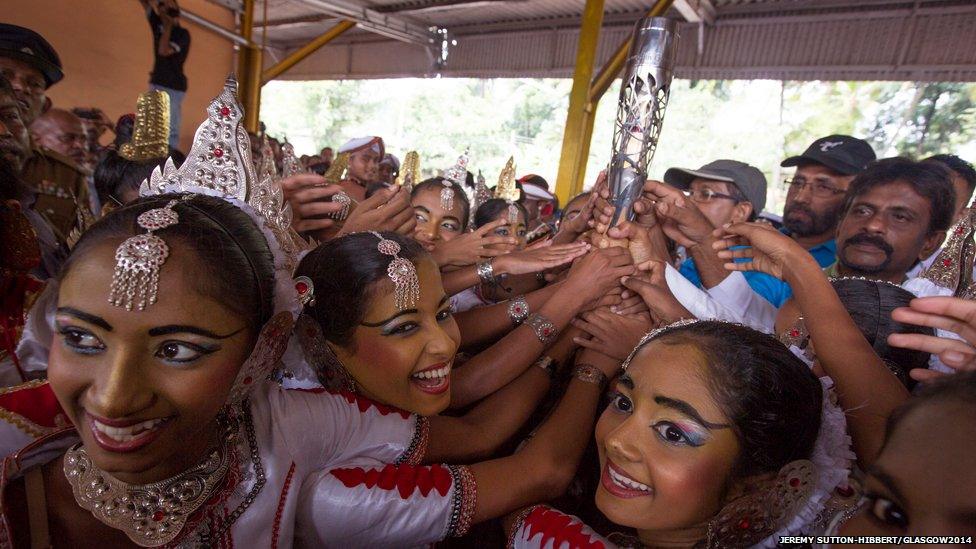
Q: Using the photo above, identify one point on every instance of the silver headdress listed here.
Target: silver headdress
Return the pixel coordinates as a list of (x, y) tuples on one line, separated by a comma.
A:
[(402, 272), (479, 195), (640, 110), (219, 164), (290, 165), (457, 173)]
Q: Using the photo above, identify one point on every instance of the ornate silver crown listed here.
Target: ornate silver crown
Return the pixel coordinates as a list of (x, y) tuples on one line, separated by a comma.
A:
[(219, 163)]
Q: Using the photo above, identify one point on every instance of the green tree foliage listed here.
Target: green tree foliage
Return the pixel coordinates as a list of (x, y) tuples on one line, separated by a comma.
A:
[(759, 122)]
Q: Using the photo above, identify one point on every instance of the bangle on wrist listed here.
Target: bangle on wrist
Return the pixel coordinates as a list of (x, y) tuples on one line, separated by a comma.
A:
[(547, 363), (486, 272), (544, 329), (590, 374), (518, 310)]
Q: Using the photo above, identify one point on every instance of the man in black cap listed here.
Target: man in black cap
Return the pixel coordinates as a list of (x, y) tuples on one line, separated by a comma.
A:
[(30, 66), (815, 200)]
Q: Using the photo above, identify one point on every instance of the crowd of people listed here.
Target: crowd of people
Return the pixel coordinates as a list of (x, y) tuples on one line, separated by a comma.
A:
[(239, 347)]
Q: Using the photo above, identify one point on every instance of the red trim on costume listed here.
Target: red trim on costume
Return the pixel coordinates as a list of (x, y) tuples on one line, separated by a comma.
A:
[(32, 408), (281, 506), (559, 528), (365, 404), (404, 478)]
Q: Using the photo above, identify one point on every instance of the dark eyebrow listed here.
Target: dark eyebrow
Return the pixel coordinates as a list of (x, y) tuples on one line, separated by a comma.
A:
[(421, 208), (181, 329), (451, 217), (887, 480), (688, 410), (902, 209), (382, 322), (626, 381), (401, 313), (89, 318)]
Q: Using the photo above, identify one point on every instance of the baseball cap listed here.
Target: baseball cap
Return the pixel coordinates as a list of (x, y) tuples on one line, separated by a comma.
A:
[(748, 179), (26, 45), (841, 153)]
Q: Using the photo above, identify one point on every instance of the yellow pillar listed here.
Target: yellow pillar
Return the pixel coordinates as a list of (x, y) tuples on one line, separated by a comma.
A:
[(601, 83), (301, 53), (576, 117), (249, 71)]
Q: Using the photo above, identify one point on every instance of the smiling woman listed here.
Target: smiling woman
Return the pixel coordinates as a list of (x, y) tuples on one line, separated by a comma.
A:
[(716, 436)]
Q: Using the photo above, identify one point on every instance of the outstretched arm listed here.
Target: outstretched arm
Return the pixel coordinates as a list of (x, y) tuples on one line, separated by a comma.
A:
[(865, 387), (589, 280), (496, 418)]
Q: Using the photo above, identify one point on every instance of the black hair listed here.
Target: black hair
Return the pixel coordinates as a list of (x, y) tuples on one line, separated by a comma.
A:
[(345, 272), (958, 165), (772, 399), (959, 387), (459, 194), (870, 303), (930, 180), (238, 265), (115, 174), (493, 209)]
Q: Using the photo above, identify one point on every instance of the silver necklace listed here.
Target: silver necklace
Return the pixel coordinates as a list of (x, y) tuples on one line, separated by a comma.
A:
[(151, 514)]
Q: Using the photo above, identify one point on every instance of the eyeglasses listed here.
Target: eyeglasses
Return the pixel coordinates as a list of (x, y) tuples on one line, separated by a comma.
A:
[(821, 188), (703, 196)]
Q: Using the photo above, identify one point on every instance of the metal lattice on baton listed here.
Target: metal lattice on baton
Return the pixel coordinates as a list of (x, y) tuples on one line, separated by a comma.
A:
[(640, 110)]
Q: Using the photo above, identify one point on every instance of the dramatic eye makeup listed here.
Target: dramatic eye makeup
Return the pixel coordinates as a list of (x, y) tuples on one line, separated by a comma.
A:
[(79, 340), (681, 432), (183, 352), (395, 325)]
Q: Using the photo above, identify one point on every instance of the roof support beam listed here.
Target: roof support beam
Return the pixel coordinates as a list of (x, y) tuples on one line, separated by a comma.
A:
[(696, 11), (249, 70), (298, 55), (214, 28), (579, 123), (390, 26)]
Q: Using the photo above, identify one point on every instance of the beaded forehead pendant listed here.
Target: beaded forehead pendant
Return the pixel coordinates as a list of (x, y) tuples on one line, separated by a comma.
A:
[(135, 281), (403, 273)]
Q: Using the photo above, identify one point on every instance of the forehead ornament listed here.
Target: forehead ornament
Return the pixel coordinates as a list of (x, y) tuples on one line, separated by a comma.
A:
[(135, 281), (402, 272)]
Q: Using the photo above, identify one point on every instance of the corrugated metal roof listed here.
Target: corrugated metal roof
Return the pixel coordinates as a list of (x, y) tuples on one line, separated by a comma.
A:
[(781, 39)]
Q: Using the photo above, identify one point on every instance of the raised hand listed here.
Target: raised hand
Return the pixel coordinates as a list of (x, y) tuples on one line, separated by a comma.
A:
[(541, 259), (652, 286), (946, 313), (611, 334), (470, 248), (310, 199), (769, 250), (598, 272), (387, 210), (645, 243), (677, 214)]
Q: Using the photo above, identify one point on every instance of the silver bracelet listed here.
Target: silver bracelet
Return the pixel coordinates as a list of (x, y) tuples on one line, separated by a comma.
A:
[(486, 272), (544, 329), (590, 374), (518, 310)]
